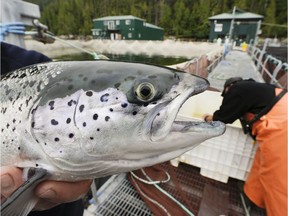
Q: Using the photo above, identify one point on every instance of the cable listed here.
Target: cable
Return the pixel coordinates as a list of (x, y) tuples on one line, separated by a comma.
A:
[(154, 183)]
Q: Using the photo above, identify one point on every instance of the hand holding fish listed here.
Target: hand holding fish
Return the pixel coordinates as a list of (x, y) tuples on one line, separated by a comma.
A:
[(208, 118), (51, 193)]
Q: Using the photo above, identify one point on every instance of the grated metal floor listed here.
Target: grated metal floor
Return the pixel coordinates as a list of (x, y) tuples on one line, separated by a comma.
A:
[(118, 197)]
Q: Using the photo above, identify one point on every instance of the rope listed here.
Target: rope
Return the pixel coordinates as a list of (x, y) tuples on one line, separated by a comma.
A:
[(154, 183), (14, 28)]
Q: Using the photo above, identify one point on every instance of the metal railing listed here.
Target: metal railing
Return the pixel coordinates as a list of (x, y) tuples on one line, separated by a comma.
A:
[(263, 61), (213, 65)]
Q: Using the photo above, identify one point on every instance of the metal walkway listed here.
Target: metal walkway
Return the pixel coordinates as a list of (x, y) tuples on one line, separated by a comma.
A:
[(236, 63)]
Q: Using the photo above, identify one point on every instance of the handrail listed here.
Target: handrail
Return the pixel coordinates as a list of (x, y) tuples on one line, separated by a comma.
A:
[(212, 66), (257, 56)]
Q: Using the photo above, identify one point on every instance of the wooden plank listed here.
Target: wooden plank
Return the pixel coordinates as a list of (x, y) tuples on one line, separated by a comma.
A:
[(214, 202)]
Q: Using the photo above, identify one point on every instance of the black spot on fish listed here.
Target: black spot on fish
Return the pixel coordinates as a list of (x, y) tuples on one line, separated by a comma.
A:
[(39, 87), (95, 116), (27, 101), (129, 78), (7, 91), (89, 93), (124, 105), (98, 129), (117, 98), (80, 75), (107, 118), (7, 126), (51, 103), (91, 138), (22, 75), (18, 96), (154, 102), (68, 120), (36, 165), (81, 108), (54, 122), (45, 143), (13, 129), (34, 110), (56, 139), (3, 110), (111, 110), (31, 84), (19, 148), (85, 79), (145, 104), (70, 103), (104, 98), (93, 82), (134, 113), (70, 87), (117, 85), (2, 129), (71, 135), (33, 124), (84, 124)]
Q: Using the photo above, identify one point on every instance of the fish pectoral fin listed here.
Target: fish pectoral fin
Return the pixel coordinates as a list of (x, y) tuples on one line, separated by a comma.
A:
[(23, 200)]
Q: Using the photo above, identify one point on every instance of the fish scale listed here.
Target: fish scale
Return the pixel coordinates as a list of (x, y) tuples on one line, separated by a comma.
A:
[(71, 121)]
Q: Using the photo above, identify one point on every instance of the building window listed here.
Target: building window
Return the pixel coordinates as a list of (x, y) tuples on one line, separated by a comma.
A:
[(130, 35), (117, 22), (139, 35), (111, 25), (218, 27), (127, 22), (105, 23)]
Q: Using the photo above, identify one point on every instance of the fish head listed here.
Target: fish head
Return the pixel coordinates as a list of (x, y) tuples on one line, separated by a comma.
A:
[(108, 117)]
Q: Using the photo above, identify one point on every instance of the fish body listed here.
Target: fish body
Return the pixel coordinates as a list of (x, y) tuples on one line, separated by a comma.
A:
[(81, 120)]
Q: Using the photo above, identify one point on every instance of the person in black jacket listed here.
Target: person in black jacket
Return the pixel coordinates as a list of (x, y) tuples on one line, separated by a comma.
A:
[(51, 193), (266, 185)]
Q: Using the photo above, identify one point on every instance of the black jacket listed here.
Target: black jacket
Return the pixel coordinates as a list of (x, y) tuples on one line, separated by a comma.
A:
[(242, 97)]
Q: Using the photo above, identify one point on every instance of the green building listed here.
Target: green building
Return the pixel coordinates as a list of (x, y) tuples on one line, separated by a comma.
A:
[(245, 26), (125, 28)]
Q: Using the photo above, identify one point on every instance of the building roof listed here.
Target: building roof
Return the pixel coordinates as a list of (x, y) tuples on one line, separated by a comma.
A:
[(152, 26), (237, 15), (117, 18)]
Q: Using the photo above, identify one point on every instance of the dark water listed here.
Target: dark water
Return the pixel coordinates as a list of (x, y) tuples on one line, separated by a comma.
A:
[(158, 60)]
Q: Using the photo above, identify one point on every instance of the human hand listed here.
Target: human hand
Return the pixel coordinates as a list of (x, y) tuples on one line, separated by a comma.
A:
[(207, 117), (50, 193)]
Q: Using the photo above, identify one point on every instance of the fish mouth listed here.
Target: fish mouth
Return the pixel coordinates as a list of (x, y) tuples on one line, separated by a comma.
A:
[(161, 120)]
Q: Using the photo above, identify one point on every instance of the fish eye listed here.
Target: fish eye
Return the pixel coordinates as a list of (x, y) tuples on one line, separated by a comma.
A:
[(145, 91)]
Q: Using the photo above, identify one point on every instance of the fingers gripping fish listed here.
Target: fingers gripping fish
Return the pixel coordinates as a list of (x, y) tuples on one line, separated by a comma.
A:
[(71, 121)]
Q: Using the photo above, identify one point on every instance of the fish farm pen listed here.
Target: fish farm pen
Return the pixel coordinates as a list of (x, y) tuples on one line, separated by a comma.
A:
[(118, 197), (207, 180)]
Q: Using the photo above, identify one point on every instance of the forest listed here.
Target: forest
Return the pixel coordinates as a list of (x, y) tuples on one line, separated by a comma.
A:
[(179, 18)]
